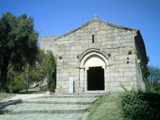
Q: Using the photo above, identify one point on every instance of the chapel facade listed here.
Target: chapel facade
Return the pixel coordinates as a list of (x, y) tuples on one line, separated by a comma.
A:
[(98, 56)]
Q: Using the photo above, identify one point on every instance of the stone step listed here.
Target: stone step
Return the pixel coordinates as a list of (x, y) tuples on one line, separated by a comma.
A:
[(74, 96), (36, 116), (44, 108), (78, 101), (88, 94), (56, 102), (50, 107)]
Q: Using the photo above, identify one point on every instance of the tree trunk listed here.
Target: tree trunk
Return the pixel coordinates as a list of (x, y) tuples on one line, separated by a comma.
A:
[(4, 71), (27, 90)]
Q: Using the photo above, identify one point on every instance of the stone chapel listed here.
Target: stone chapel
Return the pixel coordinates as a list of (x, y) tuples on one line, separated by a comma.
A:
[(98, 56)]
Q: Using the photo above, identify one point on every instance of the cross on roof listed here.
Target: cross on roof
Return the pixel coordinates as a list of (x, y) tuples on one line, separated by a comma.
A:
[(96, 16)]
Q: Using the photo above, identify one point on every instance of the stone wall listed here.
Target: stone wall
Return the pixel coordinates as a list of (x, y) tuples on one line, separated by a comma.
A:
[(116, 43), (48, 43)]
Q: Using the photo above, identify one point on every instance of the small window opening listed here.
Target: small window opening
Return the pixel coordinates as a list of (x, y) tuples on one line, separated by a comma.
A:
[(92, 38), (109, 55), (130, 52), (60, 57)]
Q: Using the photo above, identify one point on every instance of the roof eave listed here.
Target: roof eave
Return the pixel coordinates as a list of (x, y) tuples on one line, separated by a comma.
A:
[(94, 20)]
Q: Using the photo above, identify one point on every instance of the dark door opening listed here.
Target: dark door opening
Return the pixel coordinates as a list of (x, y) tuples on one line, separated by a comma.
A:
[(95, 78)]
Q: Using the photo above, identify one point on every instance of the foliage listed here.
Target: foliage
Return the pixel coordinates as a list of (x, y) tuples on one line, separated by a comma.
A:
[(141, 105), (22, 79), (153, 80), (129, 105), (10, 75), (14, 81), (17, 44), (146, 69), (41, 67), (29, 74), (17, 83), (51, 71)]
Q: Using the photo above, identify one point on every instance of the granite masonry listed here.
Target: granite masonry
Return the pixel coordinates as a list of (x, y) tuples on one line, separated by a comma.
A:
[(98, 56)]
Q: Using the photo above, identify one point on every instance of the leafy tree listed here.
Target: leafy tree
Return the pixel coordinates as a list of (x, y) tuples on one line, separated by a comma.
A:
[(17, 44), (27, 76), (146, 70), (30, 73), (41, 68), (51, 71), (17, 82), (21, 79), (153, 80)]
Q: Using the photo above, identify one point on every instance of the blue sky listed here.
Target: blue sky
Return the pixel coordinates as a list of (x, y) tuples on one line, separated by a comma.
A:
[(56, 17)]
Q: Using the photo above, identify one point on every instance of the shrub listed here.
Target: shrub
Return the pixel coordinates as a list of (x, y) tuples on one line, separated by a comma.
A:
[(17, 84), (141, 105), (51, 71)]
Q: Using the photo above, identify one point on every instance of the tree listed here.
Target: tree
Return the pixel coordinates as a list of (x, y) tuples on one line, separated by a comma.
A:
[(146, 70), (17, 44), (30, 73), (17, 82), (153, 80), (21, 79), (41, 67), (51, 71), (34, 72)]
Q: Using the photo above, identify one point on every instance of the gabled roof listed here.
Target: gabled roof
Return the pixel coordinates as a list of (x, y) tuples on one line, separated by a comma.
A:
[(100, 21), (110, 24)]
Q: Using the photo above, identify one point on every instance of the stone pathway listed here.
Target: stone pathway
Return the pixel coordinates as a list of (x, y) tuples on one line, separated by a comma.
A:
[(49, 107), (42, 117)]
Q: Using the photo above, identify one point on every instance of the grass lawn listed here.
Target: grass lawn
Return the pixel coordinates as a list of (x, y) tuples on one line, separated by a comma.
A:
[(4, 95), (106, 108)]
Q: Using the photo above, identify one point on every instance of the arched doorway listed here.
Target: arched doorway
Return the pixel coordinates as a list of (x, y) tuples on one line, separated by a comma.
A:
[(95, 78), (95, 72), (93, 65)]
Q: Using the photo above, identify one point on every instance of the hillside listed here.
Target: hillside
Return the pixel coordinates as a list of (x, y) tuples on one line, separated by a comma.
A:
[(106, 108)]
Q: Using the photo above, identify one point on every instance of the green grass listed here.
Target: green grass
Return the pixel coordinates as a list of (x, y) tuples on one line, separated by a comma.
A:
[(106, 108), (4, 95)]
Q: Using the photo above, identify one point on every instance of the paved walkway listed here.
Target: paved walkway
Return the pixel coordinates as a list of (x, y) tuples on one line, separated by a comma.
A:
[(25, 96), (39, 116), (49, 107)]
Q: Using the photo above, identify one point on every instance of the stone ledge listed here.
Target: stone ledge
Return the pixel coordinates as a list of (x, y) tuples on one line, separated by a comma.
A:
[(10, 102)]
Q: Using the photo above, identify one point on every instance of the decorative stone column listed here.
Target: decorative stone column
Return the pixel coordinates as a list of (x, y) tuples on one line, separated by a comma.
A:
[(104, 77), (85, 79), (82, 79)]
